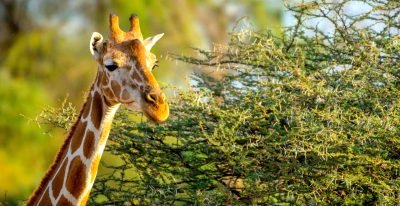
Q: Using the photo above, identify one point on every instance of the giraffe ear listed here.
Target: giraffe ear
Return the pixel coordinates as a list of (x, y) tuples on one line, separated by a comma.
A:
[(150, 41), (96, 45)]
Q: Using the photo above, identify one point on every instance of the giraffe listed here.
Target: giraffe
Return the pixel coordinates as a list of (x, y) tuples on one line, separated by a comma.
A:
[(124, 76)]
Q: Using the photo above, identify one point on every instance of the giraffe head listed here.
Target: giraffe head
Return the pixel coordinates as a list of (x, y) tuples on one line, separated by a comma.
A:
[(125, 69)]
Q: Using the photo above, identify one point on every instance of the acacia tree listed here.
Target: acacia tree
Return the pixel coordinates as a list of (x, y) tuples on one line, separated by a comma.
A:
[(310, 118)]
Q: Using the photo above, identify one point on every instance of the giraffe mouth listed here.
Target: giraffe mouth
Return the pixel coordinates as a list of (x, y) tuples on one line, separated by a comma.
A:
[(132, 105), (156, 113), (128, 102)]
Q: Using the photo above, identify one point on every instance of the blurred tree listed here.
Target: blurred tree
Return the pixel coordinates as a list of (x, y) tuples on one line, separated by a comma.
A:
[(21, 139), (14, 19)]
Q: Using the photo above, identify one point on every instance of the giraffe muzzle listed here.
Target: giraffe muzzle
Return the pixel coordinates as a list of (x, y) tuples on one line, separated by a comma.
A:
[(155, 106)]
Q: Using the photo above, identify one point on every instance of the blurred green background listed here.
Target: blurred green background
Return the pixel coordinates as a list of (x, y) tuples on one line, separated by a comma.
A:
[(44, 58)]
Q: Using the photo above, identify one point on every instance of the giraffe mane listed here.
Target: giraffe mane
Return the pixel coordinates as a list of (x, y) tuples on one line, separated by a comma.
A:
[(50, 172)]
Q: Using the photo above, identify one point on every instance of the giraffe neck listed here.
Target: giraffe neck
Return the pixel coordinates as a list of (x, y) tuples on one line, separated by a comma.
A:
[(70, 178)]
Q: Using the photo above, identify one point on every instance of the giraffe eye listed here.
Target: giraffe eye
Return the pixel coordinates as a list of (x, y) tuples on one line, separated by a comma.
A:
[(111, 67)]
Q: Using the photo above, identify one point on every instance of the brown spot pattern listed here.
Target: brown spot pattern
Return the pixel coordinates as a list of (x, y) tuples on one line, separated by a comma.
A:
[(76, 177), (59, 180), (87, 106), (107, 102), (108, 93), (97, 110), (115, 87), (125, 95), (88, 146), (76, 140), (45, 199), (137, 76), (64, 202)]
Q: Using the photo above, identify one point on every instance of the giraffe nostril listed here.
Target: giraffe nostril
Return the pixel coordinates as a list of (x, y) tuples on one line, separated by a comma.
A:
[(151, 98)]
